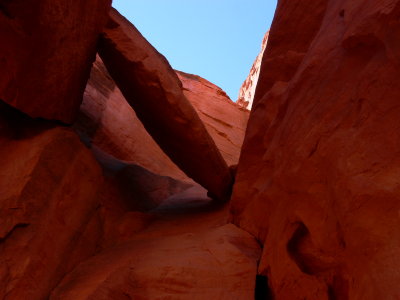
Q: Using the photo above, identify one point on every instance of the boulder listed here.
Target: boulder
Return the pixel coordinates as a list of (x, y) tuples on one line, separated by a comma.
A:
[(46, 53), (153, 89), (108, 122)]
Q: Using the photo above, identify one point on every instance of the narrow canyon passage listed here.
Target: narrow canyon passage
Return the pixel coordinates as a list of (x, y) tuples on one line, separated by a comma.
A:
[(116, 178)]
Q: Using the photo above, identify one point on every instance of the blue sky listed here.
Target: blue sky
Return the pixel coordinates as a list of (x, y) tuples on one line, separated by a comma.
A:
[(215, 39)]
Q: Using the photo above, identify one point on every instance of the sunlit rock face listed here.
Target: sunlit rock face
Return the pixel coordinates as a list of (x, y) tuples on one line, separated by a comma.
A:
[(46, 53), (225, 120), (318, 177), (248, 88)]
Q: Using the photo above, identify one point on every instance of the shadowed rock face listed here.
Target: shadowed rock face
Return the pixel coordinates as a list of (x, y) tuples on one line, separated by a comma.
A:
[(152, 88), (47, 48), (108, 122), (318, 179), (46, 205)]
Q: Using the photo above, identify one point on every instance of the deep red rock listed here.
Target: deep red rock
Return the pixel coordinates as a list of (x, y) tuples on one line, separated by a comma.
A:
[(46, 51), (108, 122), (166, 261), (48, 187), (317, 181), (152, 88)]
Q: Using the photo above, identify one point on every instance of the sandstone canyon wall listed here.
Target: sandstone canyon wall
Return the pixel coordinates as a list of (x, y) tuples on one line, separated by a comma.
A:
[(96, 209), (318, 179), (248, 88), (92, 208)]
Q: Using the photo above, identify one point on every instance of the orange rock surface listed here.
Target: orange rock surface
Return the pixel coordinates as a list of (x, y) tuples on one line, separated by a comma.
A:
[(225, 121), (248, 88), (318, 180), (46, 53)]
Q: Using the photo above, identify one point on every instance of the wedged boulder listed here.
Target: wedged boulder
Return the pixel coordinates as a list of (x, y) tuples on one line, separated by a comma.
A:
[(152, 88), (224, 120), (46, 52), (108, 122), (48, 197), (220, 263), (318, 179)]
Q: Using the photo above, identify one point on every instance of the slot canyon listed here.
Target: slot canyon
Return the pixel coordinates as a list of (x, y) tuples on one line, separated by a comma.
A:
[(123, 178)]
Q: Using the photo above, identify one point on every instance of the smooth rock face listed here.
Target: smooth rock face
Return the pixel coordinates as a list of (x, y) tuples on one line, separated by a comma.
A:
[(108, 122), (48, 187), (225, 121), (152, 88), (318, 179), (46, 52), (248, 88)]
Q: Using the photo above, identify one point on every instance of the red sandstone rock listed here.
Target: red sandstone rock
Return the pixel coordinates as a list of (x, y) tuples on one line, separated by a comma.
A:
[(169, 262), (48, 188), (248, 88), (318, 178), (225, 120), (46, 52), (152, 88), (108, 122)]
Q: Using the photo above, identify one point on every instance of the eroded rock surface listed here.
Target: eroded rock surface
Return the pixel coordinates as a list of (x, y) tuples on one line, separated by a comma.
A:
[(248, 89), (152, 88), (317, 181), (46, 53)]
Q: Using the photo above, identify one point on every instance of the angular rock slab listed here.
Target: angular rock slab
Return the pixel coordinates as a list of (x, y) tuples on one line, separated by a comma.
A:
[(107, 121), (46, 52), (153, 89), (225, 120), (218, 264)]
